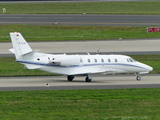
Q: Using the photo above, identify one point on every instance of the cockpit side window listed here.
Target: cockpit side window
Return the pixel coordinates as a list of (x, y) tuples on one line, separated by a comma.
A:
[(131, 60)]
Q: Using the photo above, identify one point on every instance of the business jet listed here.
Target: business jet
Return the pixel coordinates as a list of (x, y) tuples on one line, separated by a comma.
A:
[(73, 65)]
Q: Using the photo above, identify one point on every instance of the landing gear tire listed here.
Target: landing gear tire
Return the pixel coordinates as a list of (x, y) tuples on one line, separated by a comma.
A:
[(138, 78), (70, 77), (88, 80)]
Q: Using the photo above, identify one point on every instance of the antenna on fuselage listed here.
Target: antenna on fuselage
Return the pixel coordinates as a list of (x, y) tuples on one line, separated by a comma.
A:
[(88, 53)]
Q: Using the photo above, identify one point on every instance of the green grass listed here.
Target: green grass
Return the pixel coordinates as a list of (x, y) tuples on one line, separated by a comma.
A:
[(9, 67), (64, 33), (124, 104), (150, 7)]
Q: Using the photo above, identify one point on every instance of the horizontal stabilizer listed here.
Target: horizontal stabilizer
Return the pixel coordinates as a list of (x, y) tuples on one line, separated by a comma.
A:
[(12, 50)]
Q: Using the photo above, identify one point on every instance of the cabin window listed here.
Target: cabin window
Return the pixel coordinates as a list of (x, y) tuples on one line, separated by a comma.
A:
[(80, 60), (89, 60), (38, 59), (102, 60), (95, 60), (115, 60), (127, 60), (109, 60)]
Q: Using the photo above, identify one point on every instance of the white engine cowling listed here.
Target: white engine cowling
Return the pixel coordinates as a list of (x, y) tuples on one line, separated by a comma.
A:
[(67, 60)]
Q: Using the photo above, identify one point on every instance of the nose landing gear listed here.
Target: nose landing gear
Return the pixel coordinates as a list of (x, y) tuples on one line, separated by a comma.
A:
[(138, 77)]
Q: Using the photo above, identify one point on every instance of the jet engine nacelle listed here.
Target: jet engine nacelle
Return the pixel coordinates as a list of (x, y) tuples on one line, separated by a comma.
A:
[(67, 60)]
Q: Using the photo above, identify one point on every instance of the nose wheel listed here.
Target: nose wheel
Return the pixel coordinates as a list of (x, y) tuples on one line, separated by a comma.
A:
[(138, 78)]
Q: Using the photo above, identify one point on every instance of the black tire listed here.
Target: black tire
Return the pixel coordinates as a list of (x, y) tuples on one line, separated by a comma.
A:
[(88, 80), (70, 77), (138, 78)]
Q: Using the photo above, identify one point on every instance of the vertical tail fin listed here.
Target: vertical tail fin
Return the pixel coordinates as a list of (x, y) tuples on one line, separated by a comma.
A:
[(20, 46)]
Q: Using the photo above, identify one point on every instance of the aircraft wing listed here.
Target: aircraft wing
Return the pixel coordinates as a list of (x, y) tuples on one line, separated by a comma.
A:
[(92, 71)]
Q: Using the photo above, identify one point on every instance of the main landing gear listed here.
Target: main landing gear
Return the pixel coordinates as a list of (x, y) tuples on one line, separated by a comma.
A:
[(70, 77), (138, 77), (88, 78)]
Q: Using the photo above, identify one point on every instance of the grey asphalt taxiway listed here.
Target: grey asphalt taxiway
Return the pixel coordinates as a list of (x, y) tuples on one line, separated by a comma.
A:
[(61, 83), (80, 19), (99, 81), (144, 46)]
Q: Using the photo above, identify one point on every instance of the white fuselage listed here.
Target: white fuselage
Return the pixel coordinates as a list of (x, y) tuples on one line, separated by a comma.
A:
[(83, 64)]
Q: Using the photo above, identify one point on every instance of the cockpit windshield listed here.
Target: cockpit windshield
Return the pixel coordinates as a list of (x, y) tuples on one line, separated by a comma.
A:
[(131, 60)]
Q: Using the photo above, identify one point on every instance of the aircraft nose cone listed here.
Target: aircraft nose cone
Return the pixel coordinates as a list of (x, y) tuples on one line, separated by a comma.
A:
[(150, 68)]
